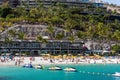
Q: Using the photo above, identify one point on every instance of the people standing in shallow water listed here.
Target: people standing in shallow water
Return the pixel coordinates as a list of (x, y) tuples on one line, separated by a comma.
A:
[(94, 61), (17, 62)]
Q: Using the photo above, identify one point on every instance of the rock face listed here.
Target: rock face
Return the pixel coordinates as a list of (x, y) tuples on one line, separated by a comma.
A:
[(32, 31)]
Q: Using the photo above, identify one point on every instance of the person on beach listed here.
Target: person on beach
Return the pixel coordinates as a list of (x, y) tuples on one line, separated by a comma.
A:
[(18, 62), (31, 59), (15, 63)]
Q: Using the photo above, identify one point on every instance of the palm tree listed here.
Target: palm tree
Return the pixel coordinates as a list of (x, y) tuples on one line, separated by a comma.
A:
[(9, 38), (12, 33), (34, 13), (40, 39), (56, 20), (60, 37), (50, 30), (21, 37), (106, 18), (7, 41), (116, 36), (82, 37), (69, 25)]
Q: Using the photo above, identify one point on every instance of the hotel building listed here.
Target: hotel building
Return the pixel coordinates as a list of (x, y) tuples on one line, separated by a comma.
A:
[(34, 3), (33, 47)]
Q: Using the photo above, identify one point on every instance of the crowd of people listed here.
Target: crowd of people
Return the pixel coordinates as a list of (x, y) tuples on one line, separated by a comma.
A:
[(20, 60)]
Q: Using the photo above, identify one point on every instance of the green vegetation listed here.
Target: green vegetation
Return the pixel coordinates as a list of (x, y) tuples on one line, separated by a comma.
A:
[(95, 25), (116, 48)]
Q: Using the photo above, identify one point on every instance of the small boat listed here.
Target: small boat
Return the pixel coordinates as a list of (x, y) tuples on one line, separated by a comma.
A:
[(38, 66), (70, 69), (117, 74), (55, 68), (27, 66)]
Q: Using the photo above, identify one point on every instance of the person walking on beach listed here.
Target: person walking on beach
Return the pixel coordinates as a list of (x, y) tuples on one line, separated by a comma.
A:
[(15, 63), (31, 60)]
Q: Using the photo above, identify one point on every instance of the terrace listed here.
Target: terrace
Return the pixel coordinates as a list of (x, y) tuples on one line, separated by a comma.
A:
[(32, 46)]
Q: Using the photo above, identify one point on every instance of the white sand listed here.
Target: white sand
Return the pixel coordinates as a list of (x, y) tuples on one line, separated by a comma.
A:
[(42, 61)]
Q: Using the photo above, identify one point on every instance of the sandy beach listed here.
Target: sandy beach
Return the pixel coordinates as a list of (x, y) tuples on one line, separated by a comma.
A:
[(47, 61)]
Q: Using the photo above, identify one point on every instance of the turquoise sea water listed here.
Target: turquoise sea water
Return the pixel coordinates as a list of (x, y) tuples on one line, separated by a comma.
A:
[(85, 72)]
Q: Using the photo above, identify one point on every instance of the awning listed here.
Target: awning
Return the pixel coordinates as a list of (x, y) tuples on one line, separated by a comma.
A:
[(98, 51)]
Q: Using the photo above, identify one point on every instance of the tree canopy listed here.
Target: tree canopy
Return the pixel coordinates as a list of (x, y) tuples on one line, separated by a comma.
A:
[(90, 22)]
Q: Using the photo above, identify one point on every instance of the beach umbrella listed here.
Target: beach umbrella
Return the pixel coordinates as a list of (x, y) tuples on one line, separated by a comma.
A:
[(82, 57), (60, 55), (17, 54), (2, 54), (91, 57), (23, 54), (64, 56), (69, 54), (42, 54), (7, 54), (56, 57), (47, 54), (79, 54), (74, 56)]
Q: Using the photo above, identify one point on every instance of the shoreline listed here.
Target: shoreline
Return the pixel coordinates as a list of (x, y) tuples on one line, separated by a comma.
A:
[(12, 65)]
